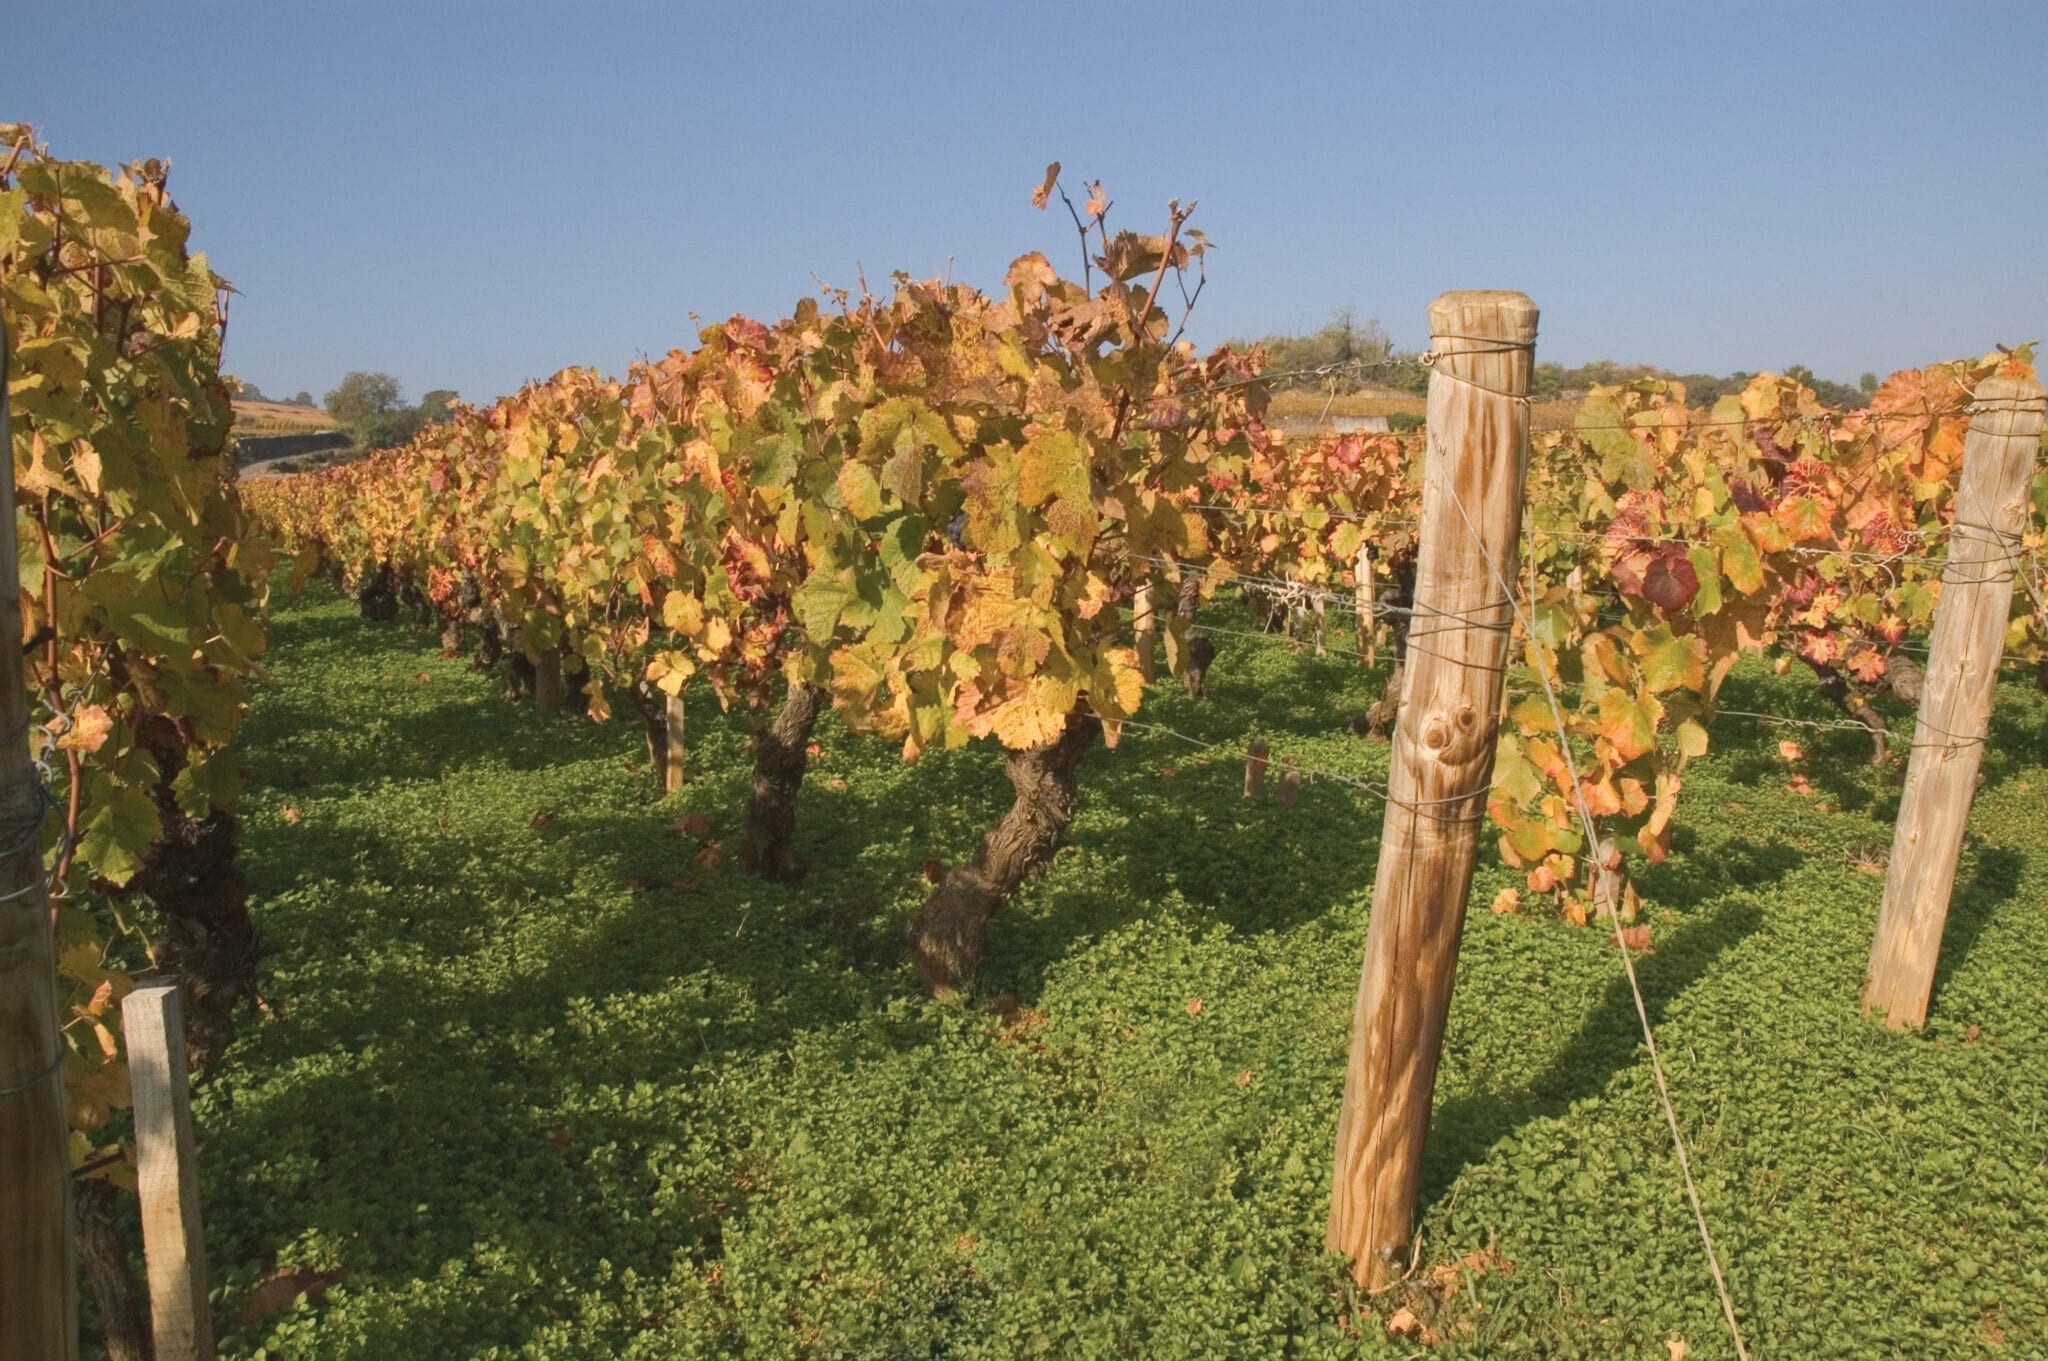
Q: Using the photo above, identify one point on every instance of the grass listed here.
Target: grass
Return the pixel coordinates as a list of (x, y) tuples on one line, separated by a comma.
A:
[(532, 1112)]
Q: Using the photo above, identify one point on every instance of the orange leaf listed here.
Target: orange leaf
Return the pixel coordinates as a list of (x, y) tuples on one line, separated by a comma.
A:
[(1636, 939), (90, 724)]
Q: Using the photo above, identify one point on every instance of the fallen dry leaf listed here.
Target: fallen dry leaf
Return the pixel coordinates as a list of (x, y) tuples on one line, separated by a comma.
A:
[(423, 676), (280, 1288), (1636, 938), (1506, 901), (1799, 784), (1194, 1006), (541, 818), (1166, 772), (1790, 751), (706, 857), (1403, 1323), (1676, 1346), (691, 824), (1244, 1079), (290, 815)]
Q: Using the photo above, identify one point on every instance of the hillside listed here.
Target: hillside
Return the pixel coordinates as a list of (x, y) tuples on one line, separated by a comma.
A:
[(280, 418)]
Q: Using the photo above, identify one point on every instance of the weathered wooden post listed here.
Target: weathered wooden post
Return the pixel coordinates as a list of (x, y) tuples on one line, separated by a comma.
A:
[(1366, 602), (672, 770), (1146, 625), (547, 681), (38, 1308), (167, 1172), (1477, 454), (1955, 702), (1255, 770), (1321, 619), (1290, 783)]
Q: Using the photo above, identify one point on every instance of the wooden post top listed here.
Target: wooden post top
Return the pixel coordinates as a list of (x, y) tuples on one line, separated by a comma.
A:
[(2020, 392), (1500, 313)]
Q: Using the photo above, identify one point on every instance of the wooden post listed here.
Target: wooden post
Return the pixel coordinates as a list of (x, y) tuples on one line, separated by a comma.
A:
[(1290, 783), (1147, 626), (1255, 771), (1322, 618), (547, 681), (167, 1171), (672, 777), (38, 1307), (1366, 602), (1955, 701), (1473, 470)]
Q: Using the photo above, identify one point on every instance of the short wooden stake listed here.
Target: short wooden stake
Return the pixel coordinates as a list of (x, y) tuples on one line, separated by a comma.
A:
[(672, 776), (1366, 602), (167, 1172), (1290, 783), (1955, 702), (1147, 627), (1321, 619), (1477, 454), (547, 681), (1255, 771)]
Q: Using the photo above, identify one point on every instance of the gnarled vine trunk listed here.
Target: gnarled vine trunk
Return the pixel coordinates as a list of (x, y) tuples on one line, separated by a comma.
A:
[(377, 597), (103, 1252), (1841, 693), (653, 707), (208, 938), (949, 935), (1200, 648), (781, 751), (1377, 723)]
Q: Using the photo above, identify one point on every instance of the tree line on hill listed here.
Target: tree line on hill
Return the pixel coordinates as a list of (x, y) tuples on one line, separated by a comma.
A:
[(372, 408), (1347, 340)]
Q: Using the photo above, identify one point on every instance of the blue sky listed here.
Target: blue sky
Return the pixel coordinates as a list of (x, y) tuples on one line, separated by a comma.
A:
[(470, 195)]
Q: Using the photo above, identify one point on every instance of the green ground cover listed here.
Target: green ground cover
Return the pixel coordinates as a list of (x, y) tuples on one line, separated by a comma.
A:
[(533, 1107)]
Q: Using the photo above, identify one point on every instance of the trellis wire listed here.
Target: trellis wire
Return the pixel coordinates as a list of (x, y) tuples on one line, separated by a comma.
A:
[(1627, 956)]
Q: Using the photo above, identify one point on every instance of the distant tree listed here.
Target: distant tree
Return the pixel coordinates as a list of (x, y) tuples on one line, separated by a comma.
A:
[(1344, 340), (436, 405), (251, 393), (372, 407), (303, 399), (1868, 382)]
